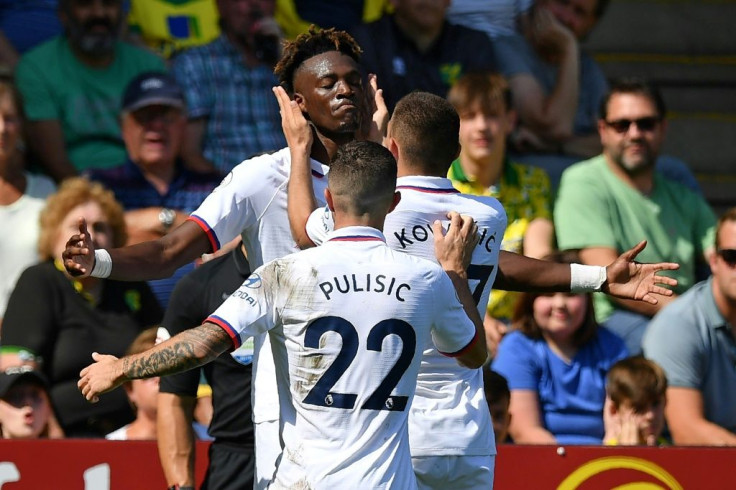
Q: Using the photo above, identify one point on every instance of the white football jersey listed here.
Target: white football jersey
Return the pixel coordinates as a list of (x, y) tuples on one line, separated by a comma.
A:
[(449, 415), (251, 202), (348, 323)]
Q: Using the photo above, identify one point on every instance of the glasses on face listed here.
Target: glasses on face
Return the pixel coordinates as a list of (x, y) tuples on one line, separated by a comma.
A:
[(643, 123), (728, 255)]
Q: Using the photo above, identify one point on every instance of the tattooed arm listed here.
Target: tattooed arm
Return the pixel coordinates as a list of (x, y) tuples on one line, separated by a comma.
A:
[(187, 350)]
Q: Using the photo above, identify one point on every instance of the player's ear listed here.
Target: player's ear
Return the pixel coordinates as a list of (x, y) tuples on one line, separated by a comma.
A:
[(395, 201), (299, 101), (328, 198), (393, 147)]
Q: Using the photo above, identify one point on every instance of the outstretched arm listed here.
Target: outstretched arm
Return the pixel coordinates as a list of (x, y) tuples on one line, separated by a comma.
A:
[(624, 278), (187, 350), (300, 191), (153, 259)]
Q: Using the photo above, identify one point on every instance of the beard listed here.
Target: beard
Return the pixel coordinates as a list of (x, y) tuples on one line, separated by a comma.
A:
[(95, 44), (636, 164)]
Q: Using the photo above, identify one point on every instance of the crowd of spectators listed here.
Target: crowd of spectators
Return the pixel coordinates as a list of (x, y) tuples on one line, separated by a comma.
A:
[(132, 123)]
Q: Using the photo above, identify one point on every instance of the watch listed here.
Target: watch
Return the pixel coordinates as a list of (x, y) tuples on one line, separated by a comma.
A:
[(167, 217)]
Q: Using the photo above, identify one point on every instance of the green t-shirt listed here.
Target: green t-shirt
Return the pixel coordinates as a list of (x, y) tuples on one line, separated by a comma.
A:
[(595, 208), (86, 101)]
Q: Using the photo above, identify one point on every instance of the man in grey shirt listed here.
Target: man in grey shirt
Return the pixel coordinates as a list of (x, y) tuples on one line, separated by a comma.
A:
[(693, 340)]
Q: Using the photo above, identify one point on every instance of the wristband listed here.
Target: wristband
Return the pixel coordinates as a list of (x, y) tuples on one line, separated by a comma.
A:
[(586, 278), (177, 487), (103, 264)]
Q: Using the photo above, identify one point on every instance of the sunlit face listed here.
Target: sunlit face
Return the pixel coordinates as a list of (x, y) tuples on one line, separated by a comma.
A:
[(329, 88), (9, 127), (483, 134), (560, 315), (577, 15), (153, 134), (93, 25), (97, 225), (143, 393), (24, 411), (636, 148), (649, 417), (724, 273)]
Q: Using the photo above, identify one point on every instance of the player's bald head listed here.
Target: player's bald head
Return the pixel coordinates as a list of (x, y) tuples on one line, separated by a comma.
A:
[(362, 178)]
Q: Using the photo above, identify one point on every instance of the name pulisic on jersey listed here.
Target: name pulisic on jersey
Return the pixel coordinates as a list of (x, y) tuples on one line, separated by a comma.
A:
[(353, 283)]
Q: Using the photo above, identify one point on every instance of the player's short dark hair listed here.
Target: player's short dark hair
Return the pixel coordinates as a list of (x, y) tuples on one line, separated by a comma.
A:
[(489, 90), (310, 44), (641, 382), (524, 321), (635, 86), (362, 177), (427, 129)]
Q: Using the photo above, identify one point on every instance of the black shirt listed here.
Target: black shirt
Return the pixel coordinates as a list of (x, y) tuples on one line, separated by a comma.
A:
[(50, 319), (401, 68), (195, 297)]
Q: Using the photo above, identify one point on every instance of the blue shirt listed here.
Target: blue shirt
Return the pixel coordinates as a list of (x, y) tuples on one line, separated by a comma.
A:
[(571, 396), (186, 192), (241, 113)]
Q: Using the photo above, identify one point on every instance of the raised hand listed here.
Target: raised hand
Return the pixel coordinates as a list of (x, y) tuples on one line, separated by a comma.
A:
[(631, 280), (79, 254), (377, 112), (297, 130), (454, 247), (100, 377)]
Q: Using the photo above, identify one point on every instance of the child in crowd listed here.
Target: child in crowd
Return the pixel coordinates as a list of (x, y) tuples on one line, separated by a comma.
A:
[(635, 399), (498, 397), (25, 406), (143, 395)]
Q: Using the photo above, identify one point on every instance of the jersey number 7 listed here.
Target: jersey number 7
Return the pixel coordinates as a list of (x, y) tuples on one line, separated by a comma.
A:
[(479, 273), (381, 399)]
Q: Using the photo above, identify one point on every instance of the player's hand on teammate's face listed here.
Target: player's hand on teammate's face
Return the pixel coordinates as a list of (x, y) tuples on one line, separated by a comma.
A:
[(79, 255), (100, 377), (297, 130), (376, 121), (455, 246), (629, 279)]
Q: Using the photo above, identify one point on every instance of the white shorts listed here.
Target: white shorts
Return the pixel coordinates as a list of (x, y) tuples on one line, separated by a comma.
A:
[(268, 449), (456, 472)]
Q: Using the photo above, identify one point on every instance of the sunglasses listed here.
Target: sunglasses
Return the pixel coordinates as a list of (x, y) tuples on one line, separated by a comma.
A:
[(728, 255), (644, 124)]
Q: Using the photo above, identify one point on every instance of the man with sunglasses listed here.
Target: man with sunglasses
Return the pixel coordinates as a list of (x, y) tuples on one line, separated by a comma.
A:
[(693, 340), (612, 201)]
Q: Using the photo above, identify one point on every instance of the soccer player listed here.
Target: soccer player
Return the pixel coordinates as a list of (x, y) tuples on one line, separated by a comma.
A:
[(321, 69), (450, 429), (348, 322)]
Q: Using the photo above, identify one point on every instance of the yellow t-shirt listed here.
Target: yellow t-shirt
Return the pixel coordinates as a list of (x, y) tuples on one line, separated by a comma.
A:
[(525, 193)]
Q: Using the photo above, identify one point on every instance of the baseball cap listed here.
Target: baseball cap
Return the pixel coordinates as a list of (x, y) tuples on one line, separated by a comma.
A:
[(152, 88), (14, 375)]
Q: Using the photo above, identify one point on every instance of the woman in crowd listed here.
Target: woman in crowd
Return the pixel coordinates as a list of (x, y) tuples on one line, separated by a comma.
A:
[(555, 361), (22, 196), (54, 322)]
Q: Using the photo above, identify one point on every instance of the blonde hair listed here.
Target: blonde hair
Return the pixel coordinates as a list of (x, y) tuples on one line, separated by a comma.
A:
[(71, 193)]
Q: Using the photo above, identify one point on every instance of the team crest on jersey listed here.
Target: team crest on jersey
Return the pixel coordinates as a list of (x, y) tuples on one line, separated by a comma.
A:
[(253, 282)]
